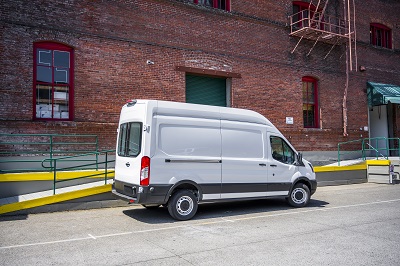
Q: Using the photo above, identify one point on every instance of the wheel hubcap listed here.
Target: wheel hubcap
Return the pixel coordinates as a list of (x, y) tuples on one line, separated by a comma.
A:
[(299, 196), (184, 206)]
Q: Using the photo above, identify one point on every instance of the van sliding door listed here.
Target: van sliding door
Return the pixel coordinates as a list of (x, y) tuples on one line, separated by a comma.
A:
[(244, 169)]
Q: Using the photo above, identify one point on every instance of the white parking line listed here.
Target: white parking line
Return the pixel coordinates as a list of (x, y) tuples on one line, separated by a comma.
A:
[(222, 220)]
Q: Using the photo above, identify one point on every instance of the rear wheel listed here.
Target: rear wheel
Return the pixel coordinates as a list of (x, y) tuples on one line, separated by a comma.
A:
[(182, 205), (299, 196)]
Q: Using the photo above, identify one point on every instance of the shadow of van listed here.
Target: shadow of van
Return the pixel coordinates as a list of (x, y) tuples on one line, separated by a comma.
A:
[(219, 210)]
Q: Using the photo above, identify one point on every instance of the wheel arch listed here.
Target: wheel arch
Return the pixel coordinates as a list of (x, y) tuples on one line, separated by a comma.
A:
[(302, 179), (185, 184)]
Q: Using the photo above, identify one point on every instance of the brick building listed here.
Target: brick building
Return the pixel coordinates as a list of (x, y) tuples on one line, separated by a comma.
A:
[(68, 66)]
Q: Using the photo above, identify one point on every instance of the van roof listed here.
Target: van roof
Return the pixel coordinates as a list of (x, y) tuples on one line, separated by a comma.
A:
[(205, 111)]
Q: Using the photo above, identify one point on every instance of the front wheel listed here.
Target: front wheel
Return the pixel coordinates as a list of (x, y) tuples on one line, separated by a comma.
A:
[(182, 205), (299, 196)]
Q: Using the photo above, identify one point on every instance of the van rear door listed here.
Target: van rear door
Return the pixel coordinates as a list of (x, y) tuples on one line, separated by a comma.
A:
[(130, 144)]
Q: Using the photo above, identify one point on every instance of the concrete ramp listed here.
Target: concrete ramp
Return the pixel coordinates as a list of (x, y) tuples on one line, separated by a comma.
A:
[(38, 188)]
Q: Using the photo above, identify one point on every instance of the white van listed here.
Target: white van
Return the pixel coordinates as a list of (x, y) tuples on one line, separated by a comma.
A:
[(179, 154)]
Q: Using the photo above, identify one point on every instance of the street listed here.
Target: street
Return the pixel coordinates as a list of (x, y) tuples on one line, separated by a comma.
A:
[(343, 225)]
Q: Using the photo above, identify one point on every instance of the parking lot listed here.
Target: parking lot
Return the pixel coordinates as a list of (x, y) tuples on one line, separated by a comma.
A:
[(343, 225)]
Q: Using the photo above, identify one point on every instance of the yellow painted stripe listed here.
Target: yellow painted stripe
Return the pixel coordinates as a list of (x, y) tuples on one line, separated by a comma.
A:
[(47, 176), (378, 162), (361, 166), (17, 206)]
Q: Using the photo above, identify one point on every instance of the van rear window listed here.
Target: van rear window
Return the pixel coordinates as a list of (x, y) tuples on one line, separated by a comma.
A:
[(129, 139)]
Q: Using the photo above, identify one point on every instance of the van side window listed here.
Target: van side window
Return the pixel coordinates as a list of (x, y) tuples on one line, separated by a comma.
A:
[(281, 151), (130, 135)]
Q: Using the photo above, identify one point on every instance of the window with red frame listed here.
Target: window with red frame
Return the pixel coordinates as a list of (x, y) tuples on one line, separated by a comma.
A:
[(303, 12), (381, 35), (220, 4), (52, 81), (310, 102)]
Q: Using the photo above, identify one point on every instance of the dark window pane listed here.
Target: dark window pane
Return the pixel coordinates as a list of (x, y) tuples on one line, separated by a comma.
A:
[(281, 151), (61, 75), (61, 59), (130, 135), (43, 74), (44, 57)]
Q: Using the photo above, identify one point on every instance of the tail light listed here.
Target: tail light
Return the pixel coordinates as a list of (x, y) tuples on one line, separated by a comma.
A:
[(145, 171)]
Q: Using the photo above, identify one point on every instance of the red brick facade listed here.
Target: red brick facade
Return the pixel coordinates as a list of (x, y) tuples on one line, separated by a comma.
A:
[(112, 41)]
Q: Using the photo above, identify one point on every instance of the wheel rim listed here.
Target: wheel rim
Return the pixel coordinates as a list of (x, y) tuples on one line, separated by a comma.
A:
[(184, 205), (299, 195)]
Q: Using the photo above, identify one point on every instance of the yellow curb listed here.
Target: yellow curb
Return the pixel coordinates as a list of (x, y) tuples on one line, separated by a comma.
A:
[(361, 166), (378, 162), (49, 176), (17, 206)]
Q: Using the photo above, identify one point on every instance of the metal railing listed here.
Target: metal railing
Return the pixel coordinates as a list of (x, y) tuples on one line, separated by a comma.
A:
[(53, 165), (25, 152), (311, 19), (369, 147)]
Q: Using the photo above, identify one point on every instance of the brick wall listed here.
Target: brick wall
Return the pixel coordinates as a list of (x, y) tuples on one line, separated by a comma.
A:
[(112, 41)]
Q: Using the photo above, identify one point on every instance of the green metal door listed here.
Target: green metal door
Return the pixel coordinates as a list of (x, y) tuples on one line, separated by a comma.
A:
[(205, 90)]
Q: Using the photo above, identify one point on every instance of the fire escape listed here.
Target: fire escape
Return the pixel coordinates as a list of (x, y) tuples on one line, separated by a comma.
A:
[(313, 23)]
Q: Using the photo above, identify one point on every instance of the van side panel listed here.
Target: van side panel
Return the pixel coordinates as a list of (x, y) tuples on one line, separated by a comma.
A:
[(188, 148), (244, 168)]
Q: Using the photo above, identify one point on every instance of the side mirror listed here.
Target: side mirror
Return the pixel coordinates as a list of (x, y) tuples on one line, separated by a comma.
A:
[(299, 159)]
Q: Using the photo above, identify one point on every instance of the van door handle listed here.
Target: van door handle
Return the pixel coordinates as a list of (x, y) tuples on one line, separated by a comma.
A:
[(262, 164), (273, 165)]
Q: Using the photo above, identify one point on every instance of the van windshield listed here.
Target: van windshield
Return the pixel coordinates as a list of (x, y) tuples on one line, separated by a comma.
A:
[(129, 139)]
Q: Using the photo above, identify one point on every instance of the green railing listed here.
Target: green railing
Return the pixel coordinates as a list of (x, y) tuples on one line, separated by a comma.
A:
[(62, 164), (25, 152), (380, 147)]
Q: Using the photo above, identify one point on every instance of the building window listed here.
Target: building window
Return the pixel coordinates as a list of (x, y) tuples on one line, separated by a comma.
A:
[(304, 15), (53, 81), (310, 102), (380, 35), (220, 4)]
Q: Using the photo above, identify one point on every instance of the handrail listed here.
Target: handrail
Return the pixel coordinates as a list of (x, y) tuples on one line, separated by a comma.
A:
[(19, 152), (54, 161), (365, 145), (383, 156)]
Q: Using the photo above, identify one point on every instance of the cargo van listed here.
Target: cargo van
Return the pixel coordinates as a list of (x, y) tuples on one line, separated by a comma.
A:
[(178, 155)]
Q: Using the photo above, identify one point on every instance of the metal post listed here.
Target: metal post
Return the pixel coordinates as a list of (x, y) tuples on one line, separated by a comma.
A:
[(105, 173), (97, 155), (398, 146), (363, 150), (51, 151), (387, 148), (338, 148), (54, 176)]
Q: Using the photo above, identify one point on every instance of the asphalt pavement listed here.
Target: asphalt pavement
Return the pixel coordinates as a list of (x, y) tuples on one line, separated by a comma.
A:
[(343, 225)]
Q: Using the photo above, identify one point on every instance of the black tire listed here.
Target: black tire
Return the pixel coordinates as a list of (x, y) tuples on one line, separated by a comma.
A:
[(151, 207), (299, 196), (182, 205)]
